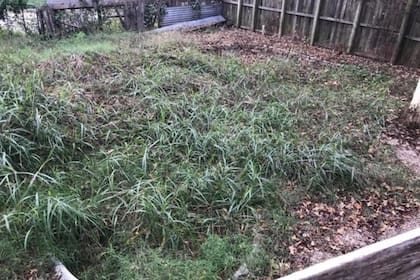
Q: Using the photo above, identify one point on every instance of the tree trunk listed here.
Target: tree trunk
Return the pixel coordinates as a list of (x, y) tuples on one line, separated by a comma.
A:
[(413, 112)]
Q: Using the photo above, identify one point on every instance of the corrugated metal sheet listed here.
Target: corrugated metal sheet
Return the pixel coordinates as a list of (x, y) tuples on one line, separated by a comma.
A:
[(187, 13)]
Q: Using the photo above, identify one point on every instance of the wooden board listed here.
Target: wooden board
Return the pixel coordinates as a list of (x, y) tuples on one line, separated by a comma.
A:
[(410, 52), (397, 258), (230, 11)]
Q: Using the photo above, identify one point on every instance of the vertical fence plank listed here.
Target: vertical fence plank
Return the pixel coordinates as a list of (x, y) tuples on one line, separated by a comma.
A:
[(40, 23), (47, 24), (134, 15), (395, 258), (315, 21), (282, 17), (370, 26), (140, 15), (403, 30), (295, 17), (356, 24), (239, 13), (128, 15), (254, 15)]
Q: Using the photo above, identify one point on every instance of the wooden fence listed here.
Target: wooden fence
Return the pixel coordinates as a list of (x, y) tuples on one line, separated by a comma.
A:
[(49, 25), (131, 13), (385, 30)]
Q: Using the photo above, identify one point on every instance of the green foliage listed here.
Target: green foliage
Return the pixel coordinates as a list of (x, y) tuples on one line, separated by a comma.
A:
[(146, 142), (15, 6), (35, 137), (217, 258), (152, 11)]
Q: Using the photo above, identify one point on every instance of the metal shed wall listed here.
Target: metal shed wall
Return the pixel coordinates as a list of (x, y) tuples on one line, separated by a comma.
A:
[(187, 13)]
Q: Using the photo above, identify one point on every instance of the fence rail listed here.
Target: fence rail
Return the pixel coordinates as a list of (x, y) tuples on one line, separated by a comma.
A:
[(386, 30)]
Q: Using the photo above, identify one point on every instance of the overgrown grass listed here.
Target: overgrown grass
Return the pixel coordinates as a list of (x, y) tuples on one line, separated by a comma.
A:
[(36, 3), (144, 158)]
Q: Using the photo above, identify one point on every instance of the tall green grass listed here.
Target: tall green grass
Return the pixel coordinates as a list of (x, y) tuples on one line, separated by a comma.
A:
[(161, 147)]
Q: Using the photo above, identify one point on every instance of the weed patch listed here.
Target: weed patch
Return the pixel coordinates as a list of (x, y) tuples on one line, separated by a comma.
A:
[(144, 158)]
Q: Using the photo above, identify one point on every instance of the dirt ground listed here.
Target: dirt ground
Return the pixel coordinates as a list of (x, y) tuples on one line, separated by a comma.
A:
[(324, 230)]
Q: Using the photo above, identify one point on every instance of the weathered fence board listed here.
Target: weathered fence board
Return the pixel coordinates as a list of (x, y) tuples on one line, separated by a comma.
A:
[(370, 28), (49, 24), (397, 258), (337, 18), (134, 15), (410, 51)]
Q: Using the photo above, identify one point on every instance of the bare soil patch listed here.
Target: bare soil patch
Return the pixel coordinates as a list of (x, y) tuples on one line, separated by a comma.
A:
[(326, 230), (406, 143)]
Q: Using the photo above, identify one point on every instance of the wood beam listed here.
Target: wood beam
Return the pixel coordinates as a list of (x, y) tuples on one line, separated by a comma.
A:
[(356, 24), (396, 258), (239, 13), (403, 30), (254, 15), (315, 21), (282, 17)]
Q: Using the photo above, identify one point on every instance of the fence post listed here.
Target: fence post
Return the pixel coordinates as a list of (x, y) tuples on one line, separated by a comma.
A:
[(239, 14), (356, 24), (315, 21), (282, 17), (46, 21), (140, 16), (128, 15), (254, 15), (134, 15), (40, 22), (403, 30)]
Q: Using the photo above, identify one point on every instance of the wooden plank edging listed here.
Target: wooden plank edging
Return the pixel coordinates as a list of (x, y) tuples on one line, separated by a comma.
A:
[(394, 258)]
